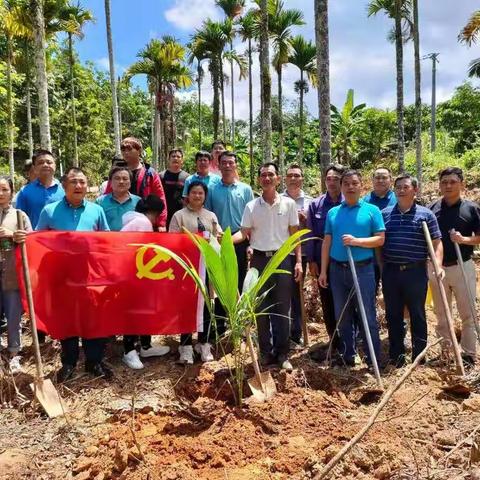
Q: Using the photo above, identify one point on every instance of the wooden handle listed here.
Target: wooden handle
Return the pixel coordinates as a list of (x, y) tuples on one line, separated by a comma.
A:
[(304, 314), (28, 289), (256, 367)]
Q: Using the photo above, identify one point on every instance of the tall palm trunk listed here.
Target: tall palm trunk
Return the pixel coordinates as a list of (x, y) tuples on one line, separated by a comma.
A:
[(250, 113), (199, 86), (281, 159), (399, 62), (11, 126), (300, 139), (41, 74), (28, 105), (214, 67), (113, 83), (418, 94), (119, 99), (323, 74), (222, 90), (266, 85), (232, 92), (72, 99)]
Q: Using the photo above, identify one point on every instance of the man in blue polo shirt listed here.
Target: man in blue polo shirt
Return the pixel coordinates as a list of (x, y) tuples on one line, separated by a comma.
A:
[(42, 191), (404, 271), (382, 195), (227, 200), (202, 161), (120, 200), (74, 213), (360, 226)]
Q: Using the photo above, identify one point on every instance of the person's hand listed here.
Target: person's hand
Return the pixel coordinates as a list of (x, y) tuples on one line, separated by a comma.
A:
[(298, 271), (162, 229), (322, 280), (313, 269), (249, 253), (219, 237), (456, 237), (19, 236), (302, 217), (5, 233), (349, 240), (441, 273)]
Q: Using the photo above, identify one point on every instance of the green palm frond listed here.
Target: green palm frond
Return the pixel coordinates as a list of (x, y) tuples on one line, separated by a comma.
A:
[(303, 56), (474, 68), (231, 8), (471, 31)]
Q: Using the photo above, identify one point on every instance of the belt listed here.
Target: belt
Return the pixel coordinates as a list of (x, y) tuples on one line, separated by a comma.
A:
[(268, 253), (454, 262), (407, 266), (361, 263)]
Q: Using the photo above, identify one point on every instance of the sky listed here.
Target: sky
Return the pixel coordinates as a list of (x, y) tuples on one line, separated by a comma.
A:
[(360, 56)]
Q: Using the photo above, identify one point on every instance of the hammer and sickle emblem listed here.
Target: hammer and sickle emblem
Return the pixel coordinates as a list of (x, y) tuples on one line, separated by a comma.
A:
[(144, 270)]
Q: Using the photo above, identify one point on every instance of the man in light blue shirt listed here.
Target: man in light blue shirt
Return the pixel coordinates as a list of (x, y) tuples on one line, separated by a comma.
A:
[(42, 191), (120, 201), (202, 160), (358, 225), (74, 213), (382, 195)]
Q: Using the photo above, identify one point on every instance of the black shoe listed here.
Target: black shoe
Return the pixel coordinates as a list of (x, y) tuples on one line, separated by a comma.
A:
[(99, 370), (344, 361), (468, 360), (267, 359), (65, 373)]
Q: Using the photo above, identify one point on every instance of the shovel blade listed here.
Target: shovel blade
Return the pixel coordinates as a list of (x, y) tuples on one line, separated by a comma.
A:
[(48, 397), (263, 387)]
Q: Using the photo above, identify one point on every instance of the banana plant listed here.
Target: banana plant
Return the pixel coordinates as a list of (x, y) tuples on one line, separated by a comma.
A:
[(242, 309)]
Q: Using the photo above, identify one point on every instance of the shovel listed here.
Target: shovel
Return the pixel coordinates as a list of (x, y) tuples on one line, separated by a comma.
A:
[(304, 314), (262, 384), (43, 389)]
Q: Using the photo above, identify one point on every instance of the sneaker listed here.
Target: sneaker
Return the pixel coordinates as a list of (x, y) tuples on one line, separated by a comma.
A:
[(65, 373), (468, 360), (156, 351), (132, 360), (186, 354), (284, 363), (99, 370), (205, 351), (15, 366), (296, 344), (267, 359)]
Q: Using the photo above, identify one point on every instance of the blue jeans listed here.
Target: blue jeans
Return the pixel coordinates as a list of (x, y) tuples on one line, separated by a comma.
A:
[(11, 304), (341, 282)]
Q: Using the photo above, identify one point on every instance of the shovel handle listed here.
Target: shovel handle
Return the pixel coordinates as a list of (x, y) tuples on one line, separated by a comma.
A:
[(304, 313), (28, 288), (251, 348)]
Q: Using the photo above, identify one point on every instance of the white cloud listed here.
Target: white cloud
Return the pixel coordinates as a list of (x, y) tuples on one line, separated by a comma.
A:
[(104, 64), (190, 14)]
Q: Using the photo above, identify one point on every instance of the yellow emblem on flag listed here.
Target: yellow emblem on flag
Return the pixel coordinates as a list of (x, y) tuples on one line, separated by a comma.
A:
[(145, 270)]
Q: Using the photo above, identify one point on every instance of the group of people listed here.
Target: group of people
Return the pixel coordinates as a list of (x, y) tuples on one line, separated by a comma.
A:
[(383, 231)]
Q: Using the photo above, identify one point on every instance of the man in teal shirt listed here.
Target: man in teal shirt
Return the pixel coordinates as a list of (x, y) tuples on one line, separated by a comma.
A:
[(120, 201), (202, 161)]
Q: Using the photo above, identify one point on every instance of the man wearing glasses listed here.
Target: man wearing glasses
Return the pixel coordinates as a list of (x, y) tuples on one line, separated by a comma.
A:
[(145, 179), (459, 222), (294, 184)]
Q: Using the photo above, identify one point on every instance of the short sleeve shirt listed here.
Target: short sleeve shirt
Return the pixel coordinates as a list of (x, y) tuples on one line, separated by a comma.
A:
[(114, 210), (389, 200), (209, 180), (270, 223), (190, 220), (361, 220)]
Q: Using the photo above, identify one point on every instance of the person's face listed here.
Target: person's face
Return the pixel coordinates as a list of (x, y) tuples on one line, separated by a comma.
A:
[(269, 178), (405, 191), (352, 187), (228, 166), (217, 150), (5, 193), (75, 186), (203, 164), (45, 166), (382, 181), (196, 196), (294, 178), (120, 182), (332, 182), (175, 161), (451, 186), (31, 174), (130, 154)]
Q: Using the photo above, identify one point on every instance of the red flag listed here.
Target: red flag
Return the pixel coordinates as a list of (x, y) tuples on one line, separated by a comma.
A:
[(97, 284)]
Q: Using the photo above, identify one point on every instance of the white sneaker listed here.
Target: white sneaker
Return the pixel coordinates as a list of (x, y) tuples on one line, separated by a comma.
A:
[(186, 354), (15, 366), (132, 360), (154, 351), (205, 351)]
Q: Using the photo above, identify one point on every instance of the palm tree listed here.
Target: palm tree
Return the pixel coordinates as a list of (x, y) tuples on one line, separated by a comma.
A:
[(469, 35), (418, 93), (75, 17), (303, 56), (266, 83), (399, 11), (280, 22), (113, 83), (323, 79), (232, 9)]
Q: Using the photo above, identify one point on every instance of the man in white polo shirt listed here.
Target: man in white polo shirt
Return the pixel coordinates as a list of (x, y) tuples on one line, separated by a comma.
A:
[(268, 221)]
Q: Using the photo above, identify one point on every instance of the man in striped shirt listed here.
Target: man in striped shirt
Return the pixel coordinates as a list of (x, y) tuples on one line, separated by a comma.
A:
[(404, 268)]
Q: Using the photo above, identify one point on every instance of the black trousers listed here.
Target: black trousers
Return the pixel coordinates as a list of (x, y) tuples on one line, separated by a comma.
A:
[(92, 347), (130, 340)]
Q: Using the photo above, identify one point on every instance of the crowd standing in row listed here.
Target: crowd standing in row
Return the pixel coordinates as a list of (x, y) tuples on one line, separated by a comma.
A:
[(383, 230)]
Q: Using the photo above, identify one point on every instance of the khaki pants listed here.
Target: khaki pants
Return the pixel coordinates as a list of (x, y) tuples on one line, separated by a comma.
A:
[(454, 284)]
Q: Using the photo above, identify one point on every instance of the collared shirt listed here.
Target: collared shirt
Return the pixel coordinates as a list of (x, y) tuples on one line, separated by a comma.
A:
[(88, 217), (316, 218), (228, 203), (389, 200), (209, 180), (114, 210), (302, 202), (404, 238), (361, 220), (190, 219), (270, 223), (464, 217), (34, 196)]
